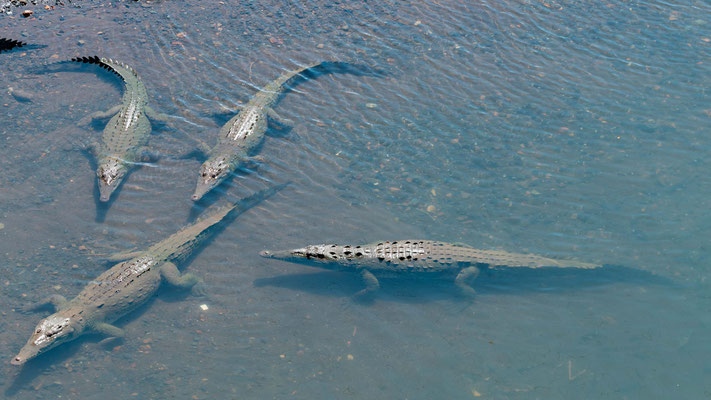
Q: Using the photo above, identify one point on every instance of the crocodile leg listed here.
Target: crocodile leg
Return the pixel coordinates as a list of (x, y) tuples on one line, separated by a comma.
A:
[(57, 301), (371, 284), (99, 115), (186, 281), (124, 256), (281, 121), (109, 330), (92, 148), (89, 148), (252, 163), (156, 116), (465, 275), (146, 155)]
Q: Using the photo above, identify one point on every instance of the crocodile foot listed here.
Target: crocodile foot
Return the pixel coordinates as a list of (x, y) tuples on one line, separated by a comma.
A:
[(199, 289)]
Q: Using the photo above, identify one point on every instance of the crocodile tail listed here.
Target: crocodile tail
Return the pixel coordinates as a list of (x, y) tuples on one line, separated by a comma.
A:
[(9, 44), (125, 72), (251, 201), (244, 204), (291, 78)]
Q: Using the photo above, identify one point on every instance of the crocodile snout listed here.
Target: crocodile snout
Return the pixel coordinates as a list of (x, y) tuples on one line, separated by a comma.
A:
[(17, 361), (265, 253)]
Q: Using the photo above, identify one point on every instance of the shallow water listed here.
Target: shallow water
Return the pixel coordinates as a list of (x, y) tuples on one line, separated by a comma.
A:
[(565, 129)]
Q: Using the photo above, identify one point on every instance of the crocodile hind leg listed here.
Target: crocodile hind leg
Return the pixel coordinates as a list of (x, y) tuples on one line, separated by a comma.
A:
[(186, 281), (99, 115), (156, 116), (371, 284), (127, 255), (464, 278), (56, 301), (281, 121)]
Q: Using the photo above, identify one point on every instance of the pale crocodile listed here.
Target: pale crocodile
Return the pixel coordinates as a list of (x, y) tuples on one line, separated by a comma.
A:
[(245, 131), (125, 138), (126, 285), (416, 256)]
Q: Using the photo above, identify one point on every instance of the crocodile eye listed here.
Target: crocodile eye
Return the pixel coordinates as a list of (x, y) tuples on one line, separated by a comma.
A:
[(204, 174), (214, 176)]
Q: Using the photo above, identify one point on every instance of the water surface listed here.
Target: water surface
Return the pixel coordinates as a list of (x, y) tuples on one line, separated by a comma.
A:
[(561, 128)]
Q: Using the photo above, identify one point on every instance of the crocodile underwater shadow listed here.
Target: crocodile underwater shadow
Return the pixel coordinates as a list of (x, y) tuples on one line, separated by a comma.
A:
[(9, 45), (407, 288)]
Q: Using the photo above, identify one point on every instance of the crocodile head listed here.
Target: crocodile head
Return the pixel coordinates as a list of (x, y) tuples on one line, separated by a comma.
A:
[(111, 172), (49, 333), (319, 252), (212, 173)]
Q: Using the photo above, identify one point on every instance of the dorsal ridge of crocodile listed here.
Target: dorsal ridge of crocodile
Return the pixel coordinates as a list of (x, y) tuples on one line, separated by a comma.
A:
[(9, 44), (111, 65)]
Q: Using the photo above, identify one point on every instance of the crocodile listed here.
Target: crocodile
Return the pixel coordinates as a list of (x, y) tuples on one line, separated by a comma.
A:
[(415, 256), (245, 131), (9, 44), (128, 284), (125, 138)]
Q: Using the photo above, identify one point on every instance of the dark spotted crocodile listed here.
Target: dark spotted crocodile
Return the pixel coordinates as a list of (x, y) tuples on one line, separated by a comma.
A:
[(245, 131), (127, 285), (416, 256), (125, 138)]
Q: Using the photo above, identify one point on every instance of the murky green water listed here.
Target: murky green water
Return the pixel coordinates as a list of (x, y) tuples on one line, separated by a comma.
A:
[(565, 129)]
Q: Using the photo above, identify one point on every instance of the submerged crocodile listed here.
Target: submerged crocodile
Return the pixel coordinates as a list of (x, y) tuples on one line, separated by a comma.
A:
[(126, 285), (416, 256), (125, 137), (245, 131)]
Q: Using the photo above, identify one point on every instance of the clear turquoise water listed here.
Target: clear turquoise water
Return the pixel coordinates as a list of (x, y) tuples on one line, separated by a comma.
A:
[(566, 129)]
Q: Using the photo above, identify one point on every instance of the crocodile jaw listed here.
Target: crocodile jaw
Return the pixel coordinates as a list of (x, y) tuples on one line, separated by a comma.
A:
[(111, 172), (287, 255), (204, 186), (105, 191), (275, 254), (212, 173), (49, 333)]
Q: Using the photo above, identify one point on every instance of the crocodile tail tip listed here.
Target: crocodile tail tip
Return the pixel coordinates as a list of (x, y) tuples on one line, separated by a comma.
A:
[(8, 44)]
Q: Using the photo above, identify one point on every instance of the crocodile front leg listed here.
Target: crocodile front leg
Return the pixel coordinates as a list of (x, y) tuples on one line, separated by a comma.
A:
[(109, 330), (112, 332), (371, 284), (186, 281), (99, 115), (56, 301), (144, 154), (465, 276), (281, 121)]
